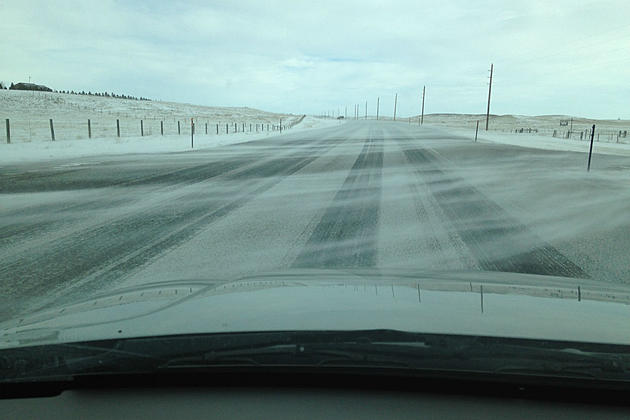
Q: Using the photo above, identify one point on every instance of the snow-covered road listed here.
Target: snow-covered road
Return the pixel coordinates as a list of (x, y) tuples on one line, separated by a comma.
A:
[(364, 194)]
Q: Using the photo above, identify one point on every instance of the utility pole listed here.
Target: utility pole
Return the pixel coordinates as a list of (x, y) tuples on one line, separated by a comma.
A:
[(378, 100), (489, 93), (395, 103), (422, 116)]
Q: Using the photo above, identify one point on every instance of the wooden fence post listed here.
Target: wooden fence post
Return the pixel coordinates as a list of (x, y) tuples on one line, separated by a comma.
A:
[(162, 127), (118, 127), (52, 130), (8, 131), (179, 130), (89, 129), (217, 129), (590, 152), (206, 128), (476, 131), (141, 129)]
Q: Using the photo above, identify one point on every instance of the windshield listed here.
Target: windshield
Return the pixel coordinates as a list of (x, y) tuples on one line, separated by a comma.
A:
[(459, 168)]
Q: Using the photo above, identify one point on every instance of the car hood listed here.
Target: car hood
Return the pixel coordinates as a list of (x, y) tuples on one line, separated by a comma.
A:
[(471, 303)]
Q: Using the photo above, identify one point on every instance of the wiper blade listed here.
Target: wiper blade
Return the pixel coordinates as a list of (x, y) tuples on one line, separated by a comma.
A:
[(461, 353), (292, 354), (590, 366), (64, 360), (369, 349)]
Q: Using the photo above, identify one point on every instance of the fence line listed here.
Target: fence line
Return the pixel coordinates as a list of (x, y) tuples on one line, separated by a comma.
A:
[(611, 133), (604, 135), (70, 129)]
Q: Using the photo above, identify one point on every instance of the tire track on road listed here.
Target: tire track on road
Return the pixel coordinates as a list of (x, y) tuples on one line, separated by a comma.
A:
[(13, 233), (115, 249), (346, 234), (27, 224), (487, 229)]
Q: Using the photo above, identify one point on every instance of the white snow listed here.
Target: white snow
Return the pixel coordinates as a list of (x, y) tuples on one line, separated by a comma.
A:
[(502, 130), (29, 114), (546, 143), (66, 149)]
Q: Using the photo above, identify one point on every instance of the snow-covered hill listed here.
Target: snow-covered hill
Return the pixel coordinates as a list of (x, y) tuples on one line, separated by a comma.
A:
[(141, 125), (29, 113)]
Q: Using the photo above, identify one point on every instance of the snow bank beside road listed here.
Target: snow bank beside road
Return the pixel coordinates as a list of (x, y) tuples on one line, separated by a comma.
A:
[(546, 143), (43, 151)]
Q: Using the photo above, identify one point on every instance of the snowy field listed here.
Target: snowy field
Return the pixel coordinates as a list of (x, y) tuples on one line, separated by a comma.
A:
[(543, 125), (29, 114), (542, 142), (538, 131), (68, 149)]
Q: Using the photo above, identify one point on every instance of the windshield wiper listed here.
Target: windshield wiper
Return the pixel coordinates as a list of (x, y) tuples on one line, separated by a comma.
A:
[(65, 360), (412, 352), (446, 352), (293, 354)]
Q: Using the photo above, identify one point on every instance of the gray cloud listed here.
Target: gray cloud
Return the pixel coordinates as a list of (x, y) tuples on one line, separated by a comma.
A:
[(567, 57)]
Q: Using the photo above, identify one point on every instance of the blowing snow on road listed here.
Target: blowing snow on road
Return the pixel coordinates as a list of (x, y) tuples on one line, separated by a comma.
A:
[(364, 194)]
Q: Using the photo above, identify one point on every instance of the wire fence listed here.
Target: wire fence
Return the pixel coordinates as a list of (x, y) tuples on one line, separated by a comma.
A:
[(39, 130), (605, 130), (601, 135)]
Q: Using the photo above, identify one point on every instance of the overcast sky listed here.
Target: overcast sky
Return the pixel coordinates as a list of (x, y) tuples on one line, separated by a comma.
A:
[(550, 57)]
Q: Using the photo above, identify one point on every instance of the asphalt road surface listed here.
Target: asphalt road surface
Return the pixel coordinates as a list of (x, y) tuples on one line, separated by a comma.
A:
[(363, 194)]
